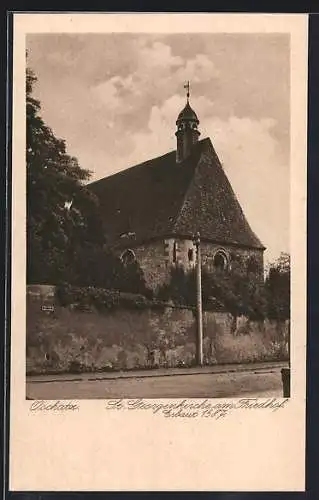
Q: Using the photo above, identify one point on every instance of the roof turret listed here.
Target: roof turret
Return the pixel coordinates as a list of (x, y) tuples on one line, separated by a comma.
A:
[(187, 114)]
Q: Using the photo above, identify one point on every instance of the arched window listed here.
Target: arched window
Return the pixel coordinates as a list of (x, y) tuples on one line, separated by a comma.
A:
[(128, 257), (191, 256), (220, 260)]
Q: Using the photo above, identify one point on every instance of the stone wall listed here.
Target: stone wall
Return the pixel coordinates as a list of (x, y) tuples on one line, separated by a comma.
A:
[(156, 258), (154, 263), (61, 339), (239, 255)]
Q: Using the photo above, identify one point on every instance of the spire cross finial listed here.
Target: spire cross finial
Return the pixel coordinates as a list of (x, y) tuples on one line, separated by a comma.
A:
[(186, 86)]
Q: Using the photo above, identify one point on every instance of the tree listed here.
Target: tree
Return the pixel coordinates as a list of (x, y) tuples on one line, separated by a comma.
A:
[(235, 289), (61, 212), (97, 266), (181, 287), (65, 236), (238, 290), (277, 287)]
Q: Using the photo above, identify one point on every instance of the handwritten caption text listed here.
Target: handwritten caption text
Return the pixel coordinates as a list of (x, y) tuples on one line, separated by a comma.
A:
[(187, 408)]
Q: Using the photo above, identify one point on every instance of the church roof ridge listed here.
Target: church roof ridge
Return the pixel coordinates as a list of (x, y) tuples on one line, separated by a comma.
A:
[(145, 162)]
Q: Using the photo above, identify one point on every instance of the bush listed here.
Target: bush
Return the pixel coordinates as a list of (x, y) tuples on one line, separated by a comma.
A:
[(88, 298), (181, 288), (233, 291), (96, 266)]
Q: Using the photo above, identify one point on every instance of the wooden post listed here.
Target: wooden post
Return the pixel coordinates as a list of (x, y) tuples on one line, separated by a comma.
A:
[(199, 309), (285, 373), (289, 345)]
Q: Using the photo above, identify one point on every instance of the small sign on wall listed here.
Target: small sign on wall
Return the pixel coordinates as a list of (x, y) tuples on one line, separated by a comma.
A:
[(47, 308)]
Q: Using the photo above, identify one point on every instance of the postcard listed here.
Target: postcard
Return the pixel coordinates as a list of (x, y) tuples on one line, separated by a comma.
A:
[(158, 322)]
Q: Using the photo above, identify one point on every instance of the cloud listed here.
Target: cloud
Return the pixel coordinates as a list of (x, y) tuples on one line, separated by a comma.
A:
[(156, 66), (115, 93), (201, 69), (159, 56), (159, 137)]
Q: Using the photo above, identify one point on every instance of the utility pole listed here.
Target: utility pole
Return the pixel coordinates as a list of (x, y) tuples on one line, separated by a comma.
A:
[(199, 308)]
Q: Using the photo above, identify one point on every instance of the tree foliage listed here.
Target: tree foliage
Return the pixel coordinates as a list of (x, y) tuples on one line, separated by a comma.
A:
[(61, 211), (97, 266), (181, 288), (239, 289), (277, 287), (236, 289), (65, 236)]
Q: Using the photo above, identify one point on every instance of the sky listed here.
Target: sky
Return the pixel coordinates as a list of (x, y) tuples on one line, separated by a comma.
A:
[(115, 98)]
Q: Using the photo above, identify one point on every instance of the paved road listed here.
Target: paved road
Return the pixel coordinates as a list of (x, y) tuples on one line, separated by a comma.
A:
[(262, 383)]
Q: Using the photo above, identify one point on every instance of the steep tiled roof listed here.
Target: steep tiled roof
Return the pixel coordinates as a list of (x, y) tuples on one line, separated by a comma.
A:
[(163, 198)]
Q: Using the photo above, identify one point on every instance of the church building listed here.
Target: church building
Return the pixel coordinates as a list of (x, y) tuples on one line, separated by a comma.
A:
[(152, 211)]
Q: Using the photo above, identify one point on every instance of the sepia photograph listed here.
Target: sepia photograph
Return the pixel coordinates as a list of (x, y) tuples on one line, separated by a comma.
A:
[(158, 270), (158, 185)]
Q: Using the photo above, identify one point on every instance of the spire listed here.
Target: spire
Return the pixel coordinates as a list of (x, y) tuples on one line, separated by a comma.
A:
[(187, 133)]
